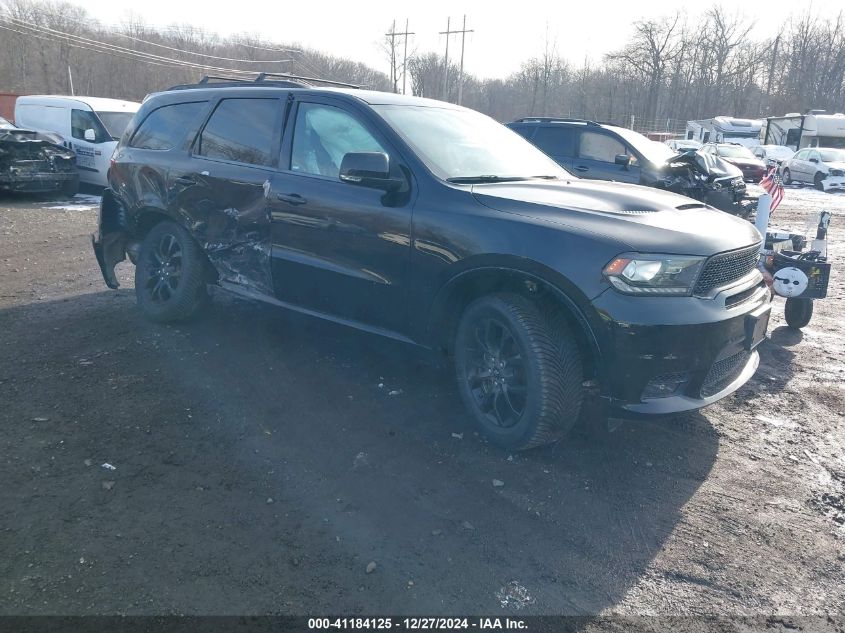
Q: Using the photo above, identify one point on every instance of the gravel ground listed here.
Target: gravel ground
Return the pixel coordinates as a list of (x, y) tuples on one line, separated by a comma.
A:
[(255, 466)]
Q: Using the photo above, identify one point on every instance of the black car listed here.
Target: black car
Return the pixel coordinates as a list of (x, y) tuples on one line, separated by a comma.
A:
[(35, 162), (434, 225), (607, 152)]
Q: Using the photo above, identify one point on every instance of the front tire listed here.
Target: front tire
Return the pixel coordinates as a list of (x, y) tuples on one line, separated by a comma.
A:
[(817, 181), (798, 312), (519, 372), (170, 276), (787, 177)]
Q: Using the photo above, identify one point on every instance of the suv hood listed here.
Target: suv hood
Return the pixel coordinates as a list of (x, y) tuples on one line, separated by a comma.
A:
[(638, 218)]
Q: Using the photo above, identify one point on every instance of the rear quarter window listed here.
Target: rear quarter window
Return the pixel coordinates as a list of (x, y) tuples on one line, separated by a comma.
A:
[(555, 140), (164, 127)]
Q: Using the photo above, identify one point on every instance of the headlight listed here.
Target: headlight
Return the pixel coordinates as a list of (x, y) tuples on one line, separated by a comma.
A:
[(836, 172), (654, 274)]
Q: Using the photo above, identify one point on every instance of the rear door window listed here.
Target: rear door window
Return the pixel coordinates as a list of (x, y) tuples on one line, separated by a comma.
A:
[(555, 140), (243, 131)]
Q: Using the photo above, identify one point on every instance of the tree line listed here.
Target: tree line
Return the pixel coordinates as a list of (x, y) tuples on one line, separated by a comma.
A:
[(671, 69)]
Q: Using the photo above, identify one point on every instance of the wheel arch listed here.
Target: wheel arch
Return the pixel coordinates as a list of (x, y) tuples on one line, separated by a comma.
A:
[(550, 289)]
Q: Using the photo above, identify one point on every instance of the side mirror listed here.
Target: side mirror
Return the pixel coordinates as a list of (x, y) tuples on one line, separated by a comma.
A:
[(90, 135), (368, 169), (622, 159)]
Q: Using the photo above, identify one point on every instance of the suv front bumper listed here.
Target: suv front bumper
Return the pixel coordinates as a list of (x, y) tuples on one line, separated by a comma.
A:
[(706, 346)]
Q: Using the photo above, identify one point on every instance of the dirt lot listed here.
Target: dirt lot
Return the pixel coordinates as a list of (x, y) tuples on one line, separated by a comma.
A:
[(259, 467)]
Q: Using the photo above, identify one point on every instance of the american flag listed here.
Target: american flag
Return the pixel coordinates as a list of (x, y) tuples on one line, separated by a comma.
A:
[(773, 184)]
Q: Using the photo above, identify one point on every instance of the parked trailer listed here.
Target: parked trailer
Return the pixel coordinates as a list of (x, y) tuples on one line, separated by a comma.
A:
[(725, 129), (814, 129)]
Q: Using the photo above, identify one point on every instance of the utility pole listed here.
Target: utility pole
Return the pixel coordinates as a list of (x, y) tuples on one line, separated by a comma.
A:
[(448, 33), (70, 80), (405, 57), (461, 76), (393, 35)]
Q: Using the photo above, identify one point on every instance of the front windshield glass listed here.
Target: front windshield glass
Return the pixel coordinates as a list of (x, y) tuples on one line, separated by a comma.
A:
[(735, 151), (778, 151), (115, 122), (457, 144), (653, 151), (832, 155)]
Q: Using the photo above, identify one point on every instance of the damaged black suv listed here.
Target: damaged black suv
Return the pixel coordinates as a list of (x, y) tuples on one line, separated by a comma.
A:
[(608, 152), (434, 225)]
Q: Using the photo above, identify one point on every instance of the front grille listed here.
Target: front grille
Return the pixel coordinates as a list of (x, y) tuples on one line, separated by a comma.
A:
[(723, 373), (735, 300), (724, 268)]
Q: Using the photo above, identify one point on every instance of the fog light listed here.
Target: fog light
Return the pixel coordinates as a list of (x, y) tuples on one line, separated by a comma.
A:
[(665, 385)]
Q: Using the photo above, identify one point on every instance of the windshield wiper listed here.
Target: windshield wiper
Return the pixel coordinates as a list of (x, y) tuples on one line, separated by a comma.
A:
[(485, 178), (546, 177)]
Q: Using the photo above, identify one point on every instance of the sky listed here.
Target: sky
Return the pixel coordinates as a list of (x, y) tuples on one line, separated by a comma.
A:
[(501, 40)]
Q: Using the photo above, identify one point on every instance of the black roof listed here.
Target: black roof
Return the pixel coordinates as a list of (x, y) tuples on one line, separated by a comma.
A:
[(552, 119), (279, 80)]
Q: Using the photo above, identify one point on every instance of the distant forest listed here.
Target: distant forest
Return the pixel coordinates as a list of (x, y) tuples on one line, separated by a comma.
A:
[(671, 69)]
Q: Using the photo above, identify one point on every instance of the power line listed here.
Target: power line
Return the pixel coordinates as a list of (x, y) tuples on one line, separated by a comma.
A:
[(114, 29), (180, 50), (84, 42), (93, 50)]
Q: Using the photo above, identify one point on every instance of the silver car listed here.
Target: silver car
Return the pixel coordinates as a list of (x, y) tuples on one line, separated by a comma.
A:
[(823, 167)]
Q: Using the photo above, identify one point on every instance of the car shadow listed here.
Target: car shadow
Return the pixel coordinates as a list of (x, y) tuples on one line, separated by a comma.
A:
[(262, 454)]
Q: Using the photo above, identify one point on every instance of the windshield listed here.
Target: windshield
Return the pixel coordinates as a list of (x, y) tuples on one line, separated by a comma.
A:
[(115, 122), (832, 155), (458, 144), (778, 151), (5, 125), (653, 151), (734, 151)]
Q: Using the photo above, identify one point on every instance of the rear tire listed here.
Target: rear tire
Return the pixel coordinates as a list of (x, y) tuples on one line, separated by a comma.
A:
[(787, 177), (170, 276), (798, 312), (519, 374)]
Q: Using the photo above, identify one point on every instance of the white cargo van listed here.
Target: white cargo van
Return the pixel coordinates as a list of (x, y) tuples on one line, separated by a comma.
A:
[(90, 126)]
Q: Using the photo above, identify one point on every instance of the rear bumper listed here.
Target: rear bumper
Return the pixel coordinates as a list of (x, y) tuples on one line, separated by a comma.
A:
[(109, 242), (708, 348), (37, 182)]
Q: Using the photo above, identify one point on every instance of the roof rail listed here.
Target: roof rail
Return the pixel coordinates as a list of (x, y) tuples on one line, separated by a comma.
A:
[(264, 79), (553, 119)]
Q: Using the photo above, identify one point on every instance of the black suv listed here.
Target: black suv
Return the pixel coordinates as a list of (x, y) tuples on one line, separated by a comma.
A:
[(607, 152), (435, 225)]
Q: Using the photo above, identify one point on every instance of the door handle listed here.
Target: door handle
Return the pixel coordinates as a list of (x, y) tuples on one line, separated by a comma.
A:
[(582, 168), (291, 198), (185, 180)]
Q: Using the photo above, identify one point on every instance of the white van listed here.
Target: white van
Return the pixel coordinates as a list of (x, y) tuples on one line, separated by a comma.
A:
[(90, 126)]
